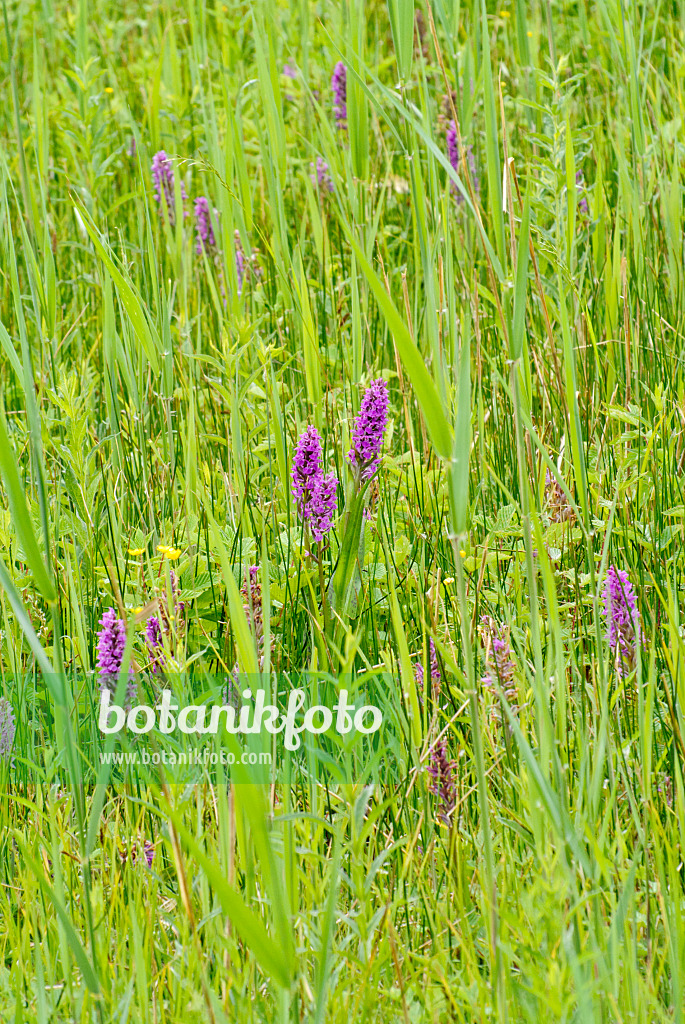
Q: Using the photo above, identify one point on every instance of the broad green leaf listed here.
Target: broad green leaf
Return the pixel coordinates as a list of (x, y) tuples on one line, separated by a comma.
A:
[(401, 14), (348, 553)]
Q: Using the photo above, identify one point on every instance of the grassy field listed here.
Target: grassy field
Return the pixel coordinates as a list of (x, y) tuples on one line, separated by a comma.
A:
[(220, 224)]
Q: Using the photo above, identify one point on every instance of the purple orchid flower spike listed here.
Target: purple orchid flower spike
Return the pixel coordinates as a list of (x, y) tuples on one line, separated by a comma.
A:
[(339, 87), (110, 654), (315, 494), (624, 632), (367, 439), (163, 180)]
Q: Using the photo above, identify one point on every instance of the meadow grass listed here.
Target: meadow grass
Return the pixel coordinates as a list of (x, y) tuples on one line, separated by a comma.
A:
[(508, 847)]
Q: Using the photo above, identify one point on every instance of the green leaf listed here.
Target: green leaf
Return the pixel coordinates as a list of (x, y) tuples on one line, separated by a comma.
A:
[(459, 467), (327, 931), (401, 14), (414, 362), (11, 353), (406, 667), (521, 287), (309, 342), (357, 102), (25, 623), (20, 515), (348, 553), (241, 630), (557, 815), (132, 304), (80, 955), (271, 956), (492, 140)]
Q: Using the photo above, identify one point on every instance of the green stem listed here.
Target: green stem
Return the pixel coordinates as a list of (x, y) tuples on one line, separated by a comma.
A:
[(483, 802), (324, 597), (543, 717)]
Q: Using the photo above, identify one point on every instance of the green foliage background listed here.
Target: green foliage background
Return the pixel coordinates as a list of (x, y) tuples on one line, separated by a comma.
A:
[(527, 314)]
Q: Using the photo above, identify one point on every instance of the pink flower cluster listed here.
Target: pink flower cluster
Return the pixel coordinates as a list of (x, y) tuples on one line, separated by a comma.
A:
[(315, 494)]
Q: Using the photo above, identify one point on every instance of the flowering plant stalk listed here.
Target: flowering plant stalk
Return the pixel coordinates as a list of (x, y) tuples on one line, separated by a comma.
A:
[(316, 501), (622, 618), (364, 458), (339, 89), (111, 646)]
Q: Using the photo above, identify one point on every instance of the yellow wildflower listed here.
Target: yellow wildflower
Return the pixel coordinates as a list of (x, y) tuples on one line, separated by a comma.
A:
[(170, 553)]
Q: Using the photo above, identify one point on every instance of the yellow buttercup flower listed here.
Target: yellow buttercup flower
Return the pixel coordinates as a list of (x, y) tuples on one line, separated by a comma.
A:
[(171, 553), (136, 551)]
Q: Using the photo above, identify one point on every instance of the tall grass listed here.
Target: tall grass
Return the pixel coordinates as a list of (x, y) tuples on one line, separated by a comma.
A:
[(526, 310)]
